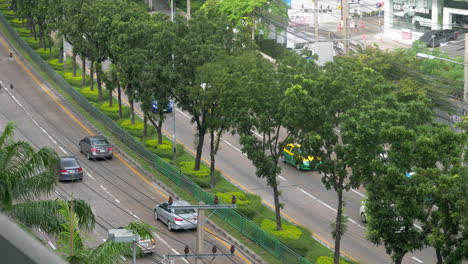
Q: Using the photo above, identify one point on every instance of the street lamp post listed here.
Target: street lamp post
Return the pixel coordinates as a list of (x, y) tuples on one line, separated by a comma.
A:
[(174, 140)]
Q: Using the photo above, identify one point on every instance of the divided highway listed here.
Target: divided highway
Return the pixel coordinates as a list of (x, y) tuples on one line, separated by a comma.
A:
[(117, 192)]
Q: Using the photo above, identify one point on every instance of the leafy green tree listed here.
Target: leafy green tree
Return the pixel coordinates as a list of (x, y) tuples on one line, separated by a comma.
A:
[(129, 47), (201, 41), (272, 106), (27, 175), (344, 85), (70, 242)]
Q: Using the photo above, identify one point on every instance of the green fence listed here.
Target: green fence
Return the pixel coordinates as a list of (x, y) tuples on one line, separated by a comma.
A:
[(234, 218)]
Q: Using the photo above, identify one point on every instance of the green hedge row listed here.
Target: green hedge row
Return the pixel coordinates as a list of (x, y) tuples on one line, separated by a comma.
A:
[(249, 205)]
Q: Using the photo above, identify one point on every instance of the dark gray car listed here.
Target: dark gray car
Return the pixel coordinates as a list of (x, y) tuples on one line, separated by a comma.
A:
[(176, 219), (95, 147), (70, 169)]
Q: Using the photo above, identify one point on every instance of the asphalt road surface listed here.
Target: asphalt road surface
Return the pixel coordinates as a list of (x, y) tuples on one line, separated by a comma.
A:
[(117, 192)]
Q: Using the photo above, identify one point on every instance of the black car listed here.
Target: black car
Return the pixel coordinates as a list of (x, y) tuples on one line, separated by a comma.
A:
[(70, 169), (434, 38), (96, 147)]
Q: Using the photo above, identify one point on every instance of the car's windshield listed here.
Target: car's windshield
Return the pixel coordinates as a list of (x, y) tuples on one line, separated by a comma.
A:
[(100, 142), (69, 163), (183, 211)]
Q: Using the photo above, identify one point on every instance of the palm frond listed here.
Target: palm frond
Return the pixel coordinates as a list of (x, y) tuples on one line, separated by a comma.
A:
[(110, 252), (144, 230), (69, 241), (46, 215), (7, 134), (40, 214)]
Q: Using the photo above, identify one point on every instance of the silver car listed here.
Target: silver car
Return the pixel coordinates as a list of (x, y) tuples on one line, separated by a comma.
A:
[(176, 219), (96, 147), (70, 169)]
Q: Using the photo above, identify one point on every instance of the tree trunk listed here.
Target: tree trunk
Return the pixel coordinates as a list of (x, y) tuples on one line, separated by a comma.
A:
[(119, 99), (277, 205), (338, 226), (201, 138), (440, 260), (98, 80), (145, 125), (212, 159), (159, 129), (61, 54), (83, 69), (110, 98), (74, 64), (132, 111), (91, 69), (398, 257)]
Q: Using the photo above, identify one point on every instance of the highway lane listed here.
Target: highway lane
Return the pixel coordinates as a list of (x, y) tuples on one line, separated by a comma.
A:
[(307, 201), (116, 194), (302, 192)]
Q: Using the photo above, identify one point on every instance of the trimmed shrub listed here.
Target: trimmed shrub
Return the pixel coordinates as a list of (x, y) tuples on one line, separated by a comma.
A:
[(113, 112), (135, 130), (76, 80), (33, 43), (10, 14), (23, 32), (247, 211), (57, 65), (328, 260), (241, 199), (187, 168), (163, 150), (3, 6), (46, 54), (17, 22), (288, 232), (93, 95)]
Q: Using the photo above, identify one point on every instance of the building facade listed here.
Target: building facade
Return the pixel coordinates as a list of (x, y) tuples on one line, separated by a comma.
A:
[(418, 16)]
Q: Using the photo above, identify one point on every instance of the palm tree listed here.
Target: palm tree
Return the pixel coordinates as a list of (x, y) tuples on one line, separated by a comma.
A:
[(70, 242), (26, 176)]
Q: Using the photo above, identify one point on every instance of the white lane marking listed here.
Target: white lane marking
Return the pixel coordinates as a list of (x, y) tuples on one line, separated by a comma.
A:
[(52, 245), (418, 260), (103, 240), (233, 147), (162, 240), (134, 215), (182, 113), (117, 200), (358, 193), (352, 221), (111, 195), (175, 251), (257, 134), (62, 150), (90, 176), (284, 179)]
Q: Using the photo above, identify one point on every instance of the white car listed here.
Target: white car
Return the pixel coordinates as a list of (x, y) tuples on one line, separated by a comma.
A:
[(362, 213)]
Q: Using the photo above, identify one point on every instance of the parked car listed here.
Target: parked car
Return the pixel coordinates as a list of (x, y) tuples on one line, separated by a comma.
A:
[(434, 38), (96, 147), (176, 219), (168, 109), (292, 154), (70, 169), (147, 246), (363, 214)]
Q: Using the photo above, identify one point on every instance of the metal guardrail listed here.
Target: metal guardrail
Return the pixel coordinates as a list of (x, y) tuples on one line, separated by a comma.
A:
[(233, 217)]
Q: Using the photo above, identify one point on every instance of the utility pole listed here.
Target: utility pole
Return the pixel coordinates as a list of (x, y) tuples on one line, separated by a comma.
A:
[(345, 10), (199, 255), (465, 86), (316, 24), (200, 233), (188, 10), (174, 140)]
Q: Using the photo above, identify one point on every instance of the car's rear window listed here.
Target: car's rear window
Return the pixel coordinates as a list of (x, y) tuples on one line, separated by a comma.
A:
[(69, 163), (184, 211), (100, 142)]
